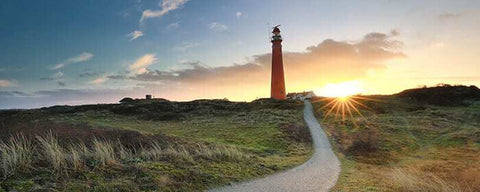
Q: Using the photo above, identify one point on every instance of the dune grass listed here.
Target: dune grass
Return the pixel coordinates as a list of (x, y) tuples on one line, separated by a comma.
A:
[(20, 154), (418, 180), (100, 148), (15, 155), (402, 145), (51, 152)]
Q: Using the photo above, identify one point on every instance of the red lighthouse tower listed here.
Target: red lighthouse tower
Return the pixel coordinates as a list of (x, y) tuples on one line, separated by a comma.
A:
[(278, 78)]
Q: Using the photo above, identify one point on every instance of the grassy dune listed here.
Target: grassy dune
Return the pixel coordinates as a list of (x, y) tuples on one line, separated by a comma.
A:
[(149, 145), (405, 143)]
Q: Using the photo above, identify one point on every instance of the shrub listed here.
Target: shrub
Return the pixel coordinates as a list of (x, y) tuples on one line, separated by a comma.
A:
[(364, 141), (444, 95), (127, 100), (297, 133)]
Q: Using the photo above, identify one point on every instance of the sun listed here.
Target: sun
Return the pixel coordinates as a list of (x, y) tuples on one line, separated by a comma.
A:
[(341, 90), (342, 99)]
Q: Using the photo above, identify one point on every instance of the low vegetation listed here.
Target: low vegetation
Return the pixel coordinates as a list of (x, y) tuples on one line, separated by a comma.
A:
[(408, 141), (154, 145), (20, 156)]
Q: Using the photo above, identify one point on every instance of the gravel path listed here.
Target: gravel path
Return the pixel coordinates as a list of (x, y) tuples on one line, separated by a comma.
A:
[(320, 173)]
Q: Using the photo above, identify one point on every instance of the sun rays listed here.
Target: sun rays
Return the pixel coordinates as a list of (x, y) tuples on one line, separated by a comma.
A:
[(345, 107)]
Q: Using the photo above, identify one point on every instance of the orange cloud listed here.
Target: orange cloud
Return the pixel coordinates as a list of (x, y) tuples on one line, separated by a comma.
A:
[(328, 61)]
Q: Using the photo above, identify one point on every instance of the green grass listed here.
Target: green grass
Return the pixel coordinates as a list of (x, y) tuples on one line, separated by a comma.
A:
[(404, 145), (254, 129), (185, 146)]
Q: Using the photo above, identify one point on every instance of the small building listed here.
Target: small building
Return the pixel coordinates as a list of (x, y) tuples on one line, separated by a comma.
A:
[(306, 95), (148, 97)]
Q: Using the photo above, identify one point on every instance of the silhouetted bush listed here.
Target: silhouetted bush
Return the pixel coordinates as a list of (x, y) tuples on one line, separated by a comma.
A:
[(444, 95), (127, 100)]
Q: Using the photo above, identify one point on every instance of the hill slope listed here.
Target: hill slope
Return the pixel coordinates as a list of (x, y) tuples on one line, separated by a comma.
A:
[(149, 145), (408, 141)]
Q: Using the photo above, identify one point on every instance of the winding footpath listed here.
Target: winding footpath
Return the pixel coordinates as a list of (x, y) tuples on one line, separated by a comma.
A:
[(320, 173)]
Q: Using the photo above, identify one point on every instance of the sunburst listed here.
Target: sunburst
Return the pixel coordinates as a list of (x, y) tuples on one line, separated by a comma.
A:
[(345, 107)]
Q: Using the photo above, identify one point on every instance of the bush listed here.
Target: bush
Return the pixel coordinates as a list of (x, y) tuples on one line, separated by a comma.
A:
[(297, 133), (444, 95), (364, 141), (127, 100)]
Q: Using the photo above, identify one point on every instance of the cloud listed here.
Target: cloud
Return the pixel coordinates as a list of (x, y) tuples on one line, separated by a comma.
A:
[(56, 76), (141, 64), (43, 98), (394, 32), (88, 74), (6, 83), (99, 80), (14, 94), (167, 6), (325, 62), (185, 46), (117, 77), (134, 35), (173, 26), (329, 61), (198, 73), (85, 56), (218, 27), (448, 16), (238, 14), (437, 45)]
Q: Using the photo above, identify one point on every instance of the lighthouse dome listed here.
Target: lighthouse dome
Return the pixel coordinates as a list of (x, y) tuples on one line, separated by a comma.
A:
[(276, 30)]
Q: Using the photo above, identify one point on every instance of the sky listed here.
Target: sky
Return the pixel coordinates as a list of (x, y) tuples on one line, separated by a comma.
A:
[(97, 51)]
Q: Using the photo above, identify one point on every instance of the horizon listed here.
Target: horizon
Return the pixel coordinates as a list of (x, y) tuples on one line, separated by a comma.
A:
[(63, 53), (317, 96)]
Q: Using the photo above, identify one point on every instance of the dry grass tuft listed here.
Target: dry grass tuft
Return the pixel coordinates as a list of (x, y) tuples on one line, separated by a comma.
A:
[(78, 152), (178, 154), (220, 153), (15, 155), (123, 152), (418, 180), (157, 153), (51, 151), (189, 154), (104, 152)]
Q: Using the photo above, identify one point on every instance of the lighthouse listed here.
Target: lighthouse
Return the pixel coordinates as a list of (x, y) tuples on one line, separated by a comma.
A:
[(278, 78)]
